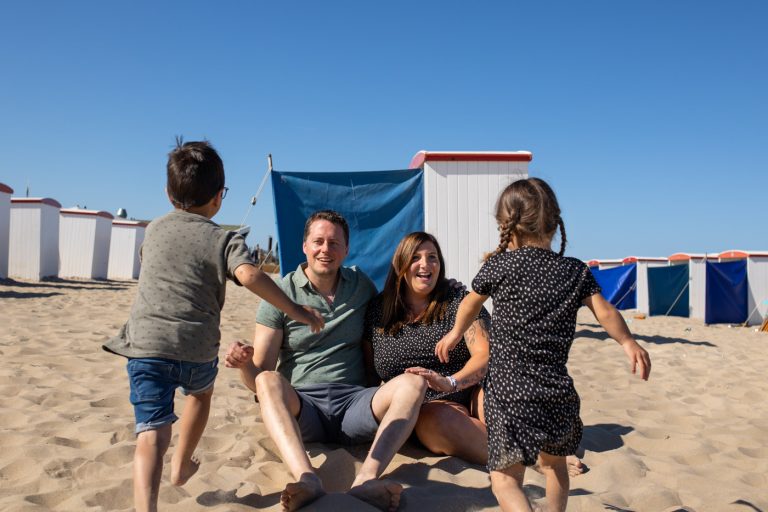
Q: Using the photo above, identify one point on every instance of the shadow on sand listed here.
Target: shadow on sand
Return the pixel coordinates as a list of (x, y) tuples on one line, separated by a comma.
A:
[(656, 340)]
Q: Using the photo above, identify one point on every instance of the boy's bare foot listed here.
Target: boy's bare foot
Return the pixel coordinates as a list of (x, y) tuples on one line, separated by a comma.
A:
[(181, 473), (382, 494), (301, 493)]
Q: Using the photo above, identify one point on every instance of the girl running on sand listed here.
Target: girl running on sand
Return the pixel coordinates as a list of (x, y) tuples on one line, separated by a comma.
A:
[(531, 405)]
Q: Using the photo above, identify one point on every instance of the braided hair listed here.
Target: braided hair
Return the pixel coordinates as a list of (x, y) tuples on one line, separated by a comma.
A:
[(528, 210)]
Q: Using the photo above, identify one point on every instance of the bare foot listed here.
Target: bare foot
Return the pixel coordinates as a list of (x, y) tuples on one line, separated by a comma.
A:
[(575, 466), (382, 494), (301, 493), (181, 473)]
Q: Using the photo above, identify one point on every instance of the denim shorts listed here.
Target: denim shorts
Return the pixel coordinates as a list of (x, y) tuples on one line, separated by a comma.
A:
[(153, 387), (336, 413)]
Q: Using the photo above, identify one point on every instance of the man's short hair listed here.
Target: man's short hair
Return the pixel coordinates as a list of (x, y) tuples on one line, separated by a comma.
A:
[(331, 216), (195, 174)]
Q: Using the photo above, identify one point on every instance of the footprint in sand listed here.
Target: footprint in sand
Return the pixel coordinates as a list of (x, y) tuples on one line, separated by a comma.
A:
[(118, 496), (62, 468), (49, 500), (110, 401), (116, 456)]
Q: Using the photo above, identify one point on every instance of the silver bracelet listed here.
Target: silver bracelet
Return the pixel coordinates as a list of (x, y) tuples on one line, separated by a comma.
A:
[(454, 384)]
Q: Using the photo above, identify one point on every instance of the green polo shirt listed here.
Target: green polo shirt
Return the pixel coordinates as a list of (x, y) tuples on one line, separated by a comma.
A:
[(334, 355)]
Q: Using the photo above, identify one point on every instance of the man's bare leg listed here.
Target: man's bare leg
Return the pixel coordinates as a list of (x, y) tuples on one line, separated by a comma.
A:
[(279, 407), (396, 407)]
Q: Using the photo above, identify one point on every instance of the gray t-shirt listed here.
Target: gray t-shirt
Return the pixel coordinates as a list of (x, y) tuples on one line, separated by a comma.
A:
[(334, 355), (186, 260)]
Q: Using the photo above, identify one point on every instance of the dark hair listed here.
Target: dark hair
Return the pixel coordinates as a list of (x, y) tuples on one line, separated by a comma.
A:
[(528, 209), (195, 174), (394, 309), (331, 216)]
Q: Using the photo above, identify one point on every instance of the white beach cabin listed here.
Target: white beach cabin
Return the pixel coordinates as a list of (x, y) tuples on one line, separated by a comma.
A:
[(757, 279), (127, 237), (642, 278), (34, 238), (460, 192), (5, 224), (84, 237), (697, 281)]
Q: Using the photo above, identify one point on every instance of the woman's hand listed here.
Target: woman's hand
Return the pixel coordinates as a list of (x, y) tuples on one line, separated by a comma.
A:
[(445, 345), (434, 380)]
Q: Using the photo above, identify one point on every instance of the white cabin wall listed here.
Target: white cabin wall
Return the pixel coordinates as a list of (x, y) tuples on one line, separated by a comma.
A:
[(697, 291), (757, 276), (459, 201), (24, 241), (103, 234), (76, 239), (126, 240)]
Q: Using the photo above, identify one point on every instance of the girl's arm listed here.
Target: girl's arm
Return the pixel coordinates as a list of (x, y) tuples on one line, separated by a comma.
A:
[(473, 371), (468, 311), (616, 327)]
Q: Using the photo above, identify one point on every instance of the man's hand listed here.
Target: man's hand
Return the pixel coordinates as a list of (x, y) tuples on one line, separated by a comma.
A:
[(638, 357), (238, 354)]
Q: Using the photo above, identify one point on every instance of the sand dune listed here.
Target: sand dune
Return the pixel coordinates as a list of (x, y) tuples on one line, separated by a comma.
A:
[(695, 437)]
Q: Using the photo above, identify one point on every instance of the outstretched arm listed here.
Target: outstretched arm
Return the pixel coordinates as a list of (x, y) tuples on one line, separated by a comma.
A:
[(468, 311), (262, 285), (616, 327)]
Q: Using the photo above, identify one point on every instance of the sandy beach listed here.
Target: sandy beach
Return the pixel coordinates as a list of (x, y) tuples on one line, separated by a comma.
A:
[(695, 437)]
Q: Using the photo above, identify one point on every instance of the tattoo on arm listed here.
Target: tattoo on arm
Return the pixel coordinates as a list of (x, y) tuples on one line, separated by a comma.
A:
[(472, 379), (469, 336)]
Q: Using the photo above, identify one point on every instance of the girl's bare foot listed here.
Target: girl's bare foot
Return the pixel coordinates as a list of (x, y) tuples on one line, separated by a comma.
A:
[(182, 472), (575, 466), (382, 494), (301, 493)]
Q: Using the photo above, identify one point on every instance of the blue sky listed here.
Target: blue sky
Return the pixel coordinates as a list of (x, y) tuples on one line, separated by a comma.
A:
[(648, 118)]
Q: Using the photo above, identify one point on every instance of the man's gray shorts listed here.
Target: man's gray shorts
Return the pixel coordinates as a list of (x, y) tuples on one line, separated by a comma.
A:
[(336, 413)]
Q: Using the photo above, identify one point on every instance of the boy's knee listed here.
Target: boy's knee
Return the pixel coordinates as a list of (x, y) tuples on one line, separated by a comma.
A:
[(155, 438)]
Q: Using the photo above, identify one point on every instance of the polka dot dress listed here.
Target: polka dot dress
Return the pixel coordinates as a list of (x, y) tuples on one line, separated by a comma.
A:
[(530, 402), (414, 345)]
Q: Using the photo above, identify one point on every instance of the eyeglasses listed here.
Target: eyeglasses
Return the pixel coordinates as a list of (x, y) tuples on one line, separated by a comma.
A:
[(224, 192)]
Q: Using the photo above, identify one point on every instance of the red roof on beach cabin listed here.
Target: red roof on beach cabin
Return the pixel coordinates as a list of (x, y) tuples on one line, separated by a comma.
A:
[(5, 188), (469, 156)]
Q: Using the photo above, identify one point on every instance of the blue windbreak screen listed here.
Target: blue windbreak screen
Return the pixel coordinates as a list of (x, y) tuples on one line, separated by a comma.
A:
[(668, 290), (618, 285), (380, 206), (726, 299)]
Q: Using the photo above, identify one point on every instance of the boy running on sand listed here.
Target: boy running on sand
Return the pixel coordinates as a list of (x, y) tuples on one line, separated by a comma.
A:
[(172, 336)]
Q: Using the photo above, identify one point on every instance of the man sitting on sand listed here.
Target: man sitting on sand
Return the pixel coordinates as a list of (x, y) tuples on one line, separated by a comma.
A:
[(311, 387)]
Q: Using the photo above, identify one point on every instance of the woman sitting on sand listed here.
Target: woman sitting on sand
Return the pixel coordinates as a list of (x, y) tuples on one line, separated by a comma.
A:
[(404, 323)]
